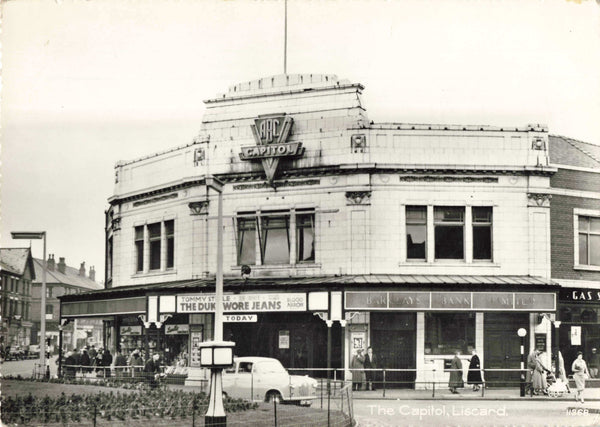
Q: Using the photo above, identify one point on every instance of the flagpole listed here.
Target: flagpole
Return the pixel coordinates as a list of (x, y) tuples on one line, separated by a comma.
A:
[(285, 42)]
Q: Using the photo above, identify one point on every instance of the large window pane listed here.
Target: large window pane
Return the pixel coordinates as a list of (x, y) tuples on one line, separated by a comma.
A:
[(154, 233), (449, 242), (170, 231), (275, 244), (449, 232), (595, 225), (246, 241), (139, 248), (583, 249), (595, 250), (482, 233), (305, 237), (416, 232), (447, 332)]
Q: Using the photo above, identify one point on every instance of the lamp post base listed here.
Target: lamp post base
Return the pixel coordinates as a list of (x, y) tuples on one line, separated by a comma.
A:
[(215, 421)]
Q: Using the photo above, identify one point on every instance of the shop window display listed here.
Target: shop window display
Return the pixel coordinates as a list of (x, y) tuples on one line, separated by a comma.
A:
[(447, 332)]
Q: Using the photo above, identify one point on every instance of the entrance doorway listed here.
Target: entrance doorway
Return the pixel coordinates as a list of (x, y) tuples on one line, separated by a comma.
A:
[(393, 338), (502, 347)]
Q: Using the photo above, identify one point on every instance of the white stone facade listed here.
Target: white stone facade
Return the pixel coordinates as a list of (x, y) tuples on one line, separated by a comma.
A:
[(399, 165)]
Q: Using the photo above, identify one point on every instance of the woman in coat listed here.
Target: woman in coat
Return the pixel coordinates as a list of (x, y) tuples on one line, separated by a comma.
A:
[(580, 374), (456, 374), (358, 370), (538, 376), (474, 375)]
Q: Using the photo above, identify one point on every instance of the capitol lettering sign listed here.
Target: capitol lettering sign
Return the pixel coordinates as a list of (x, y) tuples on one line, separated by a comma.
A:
[(271, 134)]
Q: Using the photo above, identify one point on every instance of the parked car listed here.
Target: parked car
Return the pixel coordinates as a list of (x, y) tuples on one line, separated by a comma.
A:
[(264, 379), (34, 350), (15, 353)]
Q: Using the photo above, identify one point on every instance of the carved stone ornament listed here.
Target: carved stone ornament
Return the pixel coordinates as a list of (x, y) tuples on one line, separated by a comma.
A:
[(116, 224), (199, 207), (199, 156), (538, 143), (539, 199), (358, 143), (358, 197)]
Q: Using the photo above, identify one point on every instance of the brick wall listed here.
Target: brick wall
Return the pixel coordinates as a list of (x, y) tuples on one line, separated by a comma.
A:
[(576, 180), (562, 239)]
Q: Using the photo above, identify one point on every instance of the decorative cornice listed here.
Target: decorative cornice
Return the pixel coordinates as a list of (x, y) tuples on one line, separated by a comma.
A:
[(155, 199), (115, 200), (276, 184), (358, 198), (199, 207), (539, 199), (430, 178)]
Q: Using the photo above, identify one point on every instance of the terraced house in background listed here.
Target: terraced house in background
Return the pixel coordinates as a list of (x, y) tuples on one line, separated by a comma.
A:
[(416, 239), (17, 272)]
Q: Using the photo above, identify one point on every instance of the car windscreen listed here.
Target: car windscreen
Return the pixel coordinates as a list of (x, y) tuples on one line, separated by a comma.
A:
[(270, 367)]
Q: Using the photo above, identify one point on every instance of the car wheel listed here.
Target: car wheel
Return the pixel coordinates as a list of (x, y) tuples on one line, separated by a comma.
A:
[(273, 395)]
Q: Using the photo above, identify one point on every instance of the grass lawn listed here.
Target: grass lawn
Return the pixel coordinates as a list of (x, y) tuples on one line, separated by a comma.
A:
[(287, 415)]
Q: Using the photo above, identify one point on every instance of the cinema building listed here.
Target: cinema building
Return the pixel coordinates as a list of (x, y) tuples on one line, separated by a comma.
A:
[(415, 239)]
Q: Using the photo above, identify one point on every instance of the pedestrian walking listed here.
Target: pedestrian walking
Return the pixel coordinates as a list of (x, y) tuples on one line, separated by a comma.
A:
[(474, 375), (538, 376), (85, 361), (370, 363), (136, 363), (456, 374), (358, 370), (93, 353), (120, 364), (70, 369), (152, 370), (106, 362), (594, 364), (580, 374)]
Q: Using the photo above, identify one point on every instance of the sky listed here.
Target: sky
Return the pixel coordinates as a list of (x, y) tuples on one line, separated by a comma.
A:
[(86, 83)]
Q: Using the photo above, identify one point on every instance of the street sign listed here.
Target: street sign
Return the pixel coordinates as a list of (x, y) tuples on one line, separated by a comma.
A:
[(239, 318)]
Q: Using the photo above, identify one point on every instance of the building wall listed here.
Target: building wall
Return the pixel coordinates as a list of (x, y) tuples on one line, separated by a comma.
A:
[(399, 165)]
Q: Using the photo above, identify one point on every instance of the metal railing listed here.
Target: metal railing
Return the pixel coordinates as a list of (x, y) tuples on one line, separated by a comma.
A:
[(435, 378)]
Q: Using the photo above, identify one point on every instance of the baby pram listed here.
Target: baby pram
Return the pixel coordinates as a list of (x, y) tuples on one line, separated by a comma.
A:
[(558, 387)]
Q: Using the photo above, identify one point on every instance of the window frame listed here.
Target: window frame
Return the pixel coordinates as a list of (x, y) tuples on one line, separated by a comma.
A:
[(415, 222), (577, 214), (257, 222), (482, 224), (300, 237), (449, 223), (139, 244)]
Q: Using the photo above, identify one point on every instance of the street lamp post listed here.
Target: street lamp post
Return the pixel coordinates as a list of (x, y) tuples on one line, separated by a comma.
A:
[(215, 413), (557, 346), (30, 235), (521, 333)]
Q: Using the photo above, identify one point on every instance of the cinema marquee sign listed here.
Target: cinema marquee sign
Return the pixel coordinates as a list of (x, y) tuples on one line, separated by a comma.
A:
[(271, 134), (242, 303)]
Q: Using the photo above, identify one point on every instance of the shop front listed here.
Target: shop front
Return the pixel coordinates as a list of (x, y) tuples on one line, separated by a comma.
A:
[(579, 313), (417, 333)]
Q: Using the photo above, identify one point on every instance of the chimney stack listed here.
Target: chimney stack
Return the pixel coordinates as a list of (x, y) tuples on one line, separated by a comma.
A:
[(50, 262), (82, 269), (62, 267), (93, 273)]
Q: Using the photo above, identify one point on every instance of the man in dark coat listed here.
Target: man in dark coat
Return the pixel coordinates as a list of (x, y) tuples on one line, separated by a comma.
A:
[(77, 360), (106, 362), (370, 363), (151, 370), (69, 367), (85, 361), (474, 375), (456, 374), (93, 353), (120, 364)]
